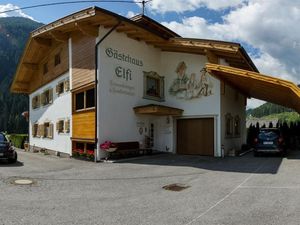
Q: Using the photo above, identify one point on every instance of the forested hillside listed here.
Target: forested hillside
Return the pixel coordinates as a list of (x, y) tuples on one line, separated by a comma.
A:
[(14, 32), (267, 109)]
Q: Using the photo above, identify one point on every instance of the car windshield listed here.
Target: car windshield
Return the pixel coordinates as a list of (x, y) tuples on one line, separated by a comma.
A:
[(2, 138), (263, 134)]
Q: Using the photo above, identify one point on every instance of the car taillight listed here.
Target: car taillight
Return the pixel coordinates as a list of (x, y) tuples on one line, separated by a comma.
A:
[(280, 140)]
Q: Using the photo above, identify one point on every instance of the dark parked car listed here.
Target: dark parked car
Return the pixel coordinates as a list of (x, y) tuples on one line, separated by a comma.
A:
[(269, 140), (7, 151)]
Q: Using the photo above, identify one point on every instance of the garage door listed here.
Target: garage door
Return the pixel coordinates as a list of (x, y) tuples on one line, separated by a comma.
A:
[(195, 136)]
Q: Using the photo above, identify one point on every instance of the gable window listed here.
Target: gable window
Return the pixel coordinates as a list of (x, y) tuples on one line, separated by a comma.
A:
[(85, 99), (153, 86), (57, 59), (45, 68), (36, 102), (228, 125), (47, 97), (237, 126), (67, 126)]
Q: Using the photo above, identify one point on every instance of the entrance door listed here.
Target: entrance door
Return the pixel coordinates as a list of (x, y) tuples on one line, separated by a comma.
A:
[(195, 136)]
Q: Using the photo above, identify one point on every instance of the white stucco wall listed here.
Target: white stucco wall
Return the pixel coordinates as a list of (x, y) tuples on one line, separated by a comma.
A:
[(117, 95), (233, 102), (60, 109)]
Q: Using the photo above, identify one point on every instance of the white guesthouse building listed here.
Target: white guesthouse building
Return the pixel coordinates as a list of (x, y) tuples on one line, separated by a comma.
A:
[(95, 76)]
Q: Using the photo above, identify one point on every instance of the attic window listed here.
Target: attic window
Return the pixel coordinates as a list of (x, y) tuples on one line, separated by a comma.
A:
[(57, 59)]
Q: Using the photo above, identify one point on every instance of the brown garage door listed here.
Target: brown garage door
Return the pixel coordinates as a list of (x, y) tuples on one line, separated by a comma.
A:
[(195, 136)]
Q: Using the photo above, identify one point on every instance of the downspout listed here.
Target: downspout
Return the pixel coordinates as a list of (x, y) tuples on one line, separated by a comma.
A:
[(96, 86)]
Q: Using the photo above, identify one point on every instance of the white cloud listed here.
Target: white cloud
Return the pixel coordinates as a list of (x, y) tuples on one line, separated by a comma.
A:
[(16, 13), (131, 14), (180, 6), (269, 26)]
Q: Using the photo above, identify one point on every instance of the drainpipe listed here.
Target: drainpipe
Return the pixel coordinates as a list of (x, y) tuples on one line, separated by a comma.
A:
[(96, 87)]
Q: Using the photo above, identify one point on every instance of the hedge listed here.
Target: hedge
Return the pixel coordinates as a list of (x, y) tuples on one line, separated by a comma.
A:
[(17, 139)]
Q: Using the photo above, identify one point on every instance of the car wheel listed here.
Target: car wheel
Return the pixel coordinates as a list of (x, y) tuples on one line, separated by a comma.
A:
[(13, 160)]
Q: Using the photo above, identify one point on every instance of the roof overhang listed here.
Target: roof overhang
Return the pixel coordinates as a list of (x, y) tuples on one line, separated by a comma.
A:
[(142, 29), (157, 110), (258, 85)]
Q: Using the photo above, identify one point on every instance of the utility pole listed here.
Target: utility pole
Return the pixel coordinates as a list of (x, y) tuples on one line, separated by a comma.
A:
[(143, 5)]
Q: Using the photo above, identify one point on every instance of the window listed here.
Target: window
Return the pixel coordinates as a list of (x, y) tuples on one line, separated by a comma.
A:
[(90, 146), (67, 85), (63, 126), (35, 130), (48, 130), (36, 102), (60, 126), (229, 125), (60, 88), (90, 98), (47, 97), (237, 126), (153, 86), (85, 99), (45, 68), (79, 99), (57, 59)]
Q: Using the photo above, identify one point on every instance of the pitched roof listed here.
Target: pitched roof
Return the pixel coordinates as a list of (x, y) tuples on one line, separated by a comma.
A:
[(140, 28)]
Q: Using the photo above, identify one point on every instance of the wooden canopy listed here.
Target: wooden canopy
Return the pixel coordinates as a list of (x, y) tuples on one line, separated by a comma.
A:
[(157, 110), (259, 86), (140, 28)]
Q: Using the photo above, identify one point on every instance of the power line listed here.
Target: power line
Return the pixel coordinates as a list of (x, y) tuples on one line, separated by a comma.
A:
[(73, 2)]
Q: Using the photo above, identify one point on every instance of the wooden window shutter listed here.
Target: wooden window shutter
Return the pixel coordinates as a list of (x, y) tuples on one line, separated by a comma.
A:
[(57, 126), (67, 126), (50, 133), (50, 95), (57, 89), (33, 130), (42, 130), (39, 131), (43, 99), (67, 85), (38, 101), (33, 102)]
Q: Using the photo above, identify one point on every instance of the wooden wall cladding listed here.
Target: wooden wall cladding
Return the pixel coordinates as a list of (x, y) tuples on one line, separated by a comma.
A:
[(40, 78), (83, 60), (83, 125)]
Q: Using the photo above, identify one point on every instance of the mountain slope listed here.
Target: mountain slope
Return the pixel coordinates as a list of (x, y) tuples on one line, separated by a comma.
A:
[(267, 109), (14, 32)]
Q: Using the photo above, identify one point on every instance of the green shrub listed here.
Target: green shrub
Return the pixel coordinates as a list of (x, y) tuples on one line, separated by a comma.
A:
[(17, 139)]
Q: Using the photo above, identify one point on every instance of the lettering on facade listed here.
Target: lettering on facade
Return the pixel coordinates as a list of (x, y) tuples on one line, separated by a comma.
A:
[(119, 88), (113, 53), (124, 73)]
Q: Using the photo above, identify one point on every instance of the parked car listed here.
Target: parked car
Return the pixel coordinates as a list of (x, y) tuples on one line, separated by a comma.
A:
[(7, 151), (269, 140)]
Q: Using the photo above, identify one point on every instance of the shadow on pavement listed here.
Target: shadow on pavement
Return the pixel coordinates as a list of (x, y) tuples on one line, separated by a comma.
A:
[(244, 164), (4, 163)]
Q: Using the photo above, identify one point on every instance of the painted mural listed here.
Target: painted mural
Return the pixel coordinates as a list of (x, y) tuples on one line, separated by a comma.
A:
[(191, 86)]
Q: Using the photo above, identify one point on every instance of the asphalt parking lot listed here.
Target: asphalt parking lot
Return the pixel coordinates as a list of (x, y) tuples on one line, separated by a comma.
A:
[(244, 190)]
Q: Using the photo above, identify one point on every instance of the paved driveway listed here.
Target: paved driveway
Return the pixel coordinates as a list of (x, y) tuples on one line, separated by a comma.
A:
[(235, 191)]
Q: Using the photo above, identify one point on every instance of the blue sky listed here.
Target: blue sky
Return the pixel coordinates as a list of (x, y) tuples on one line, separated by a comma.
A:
[(266, 28)]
